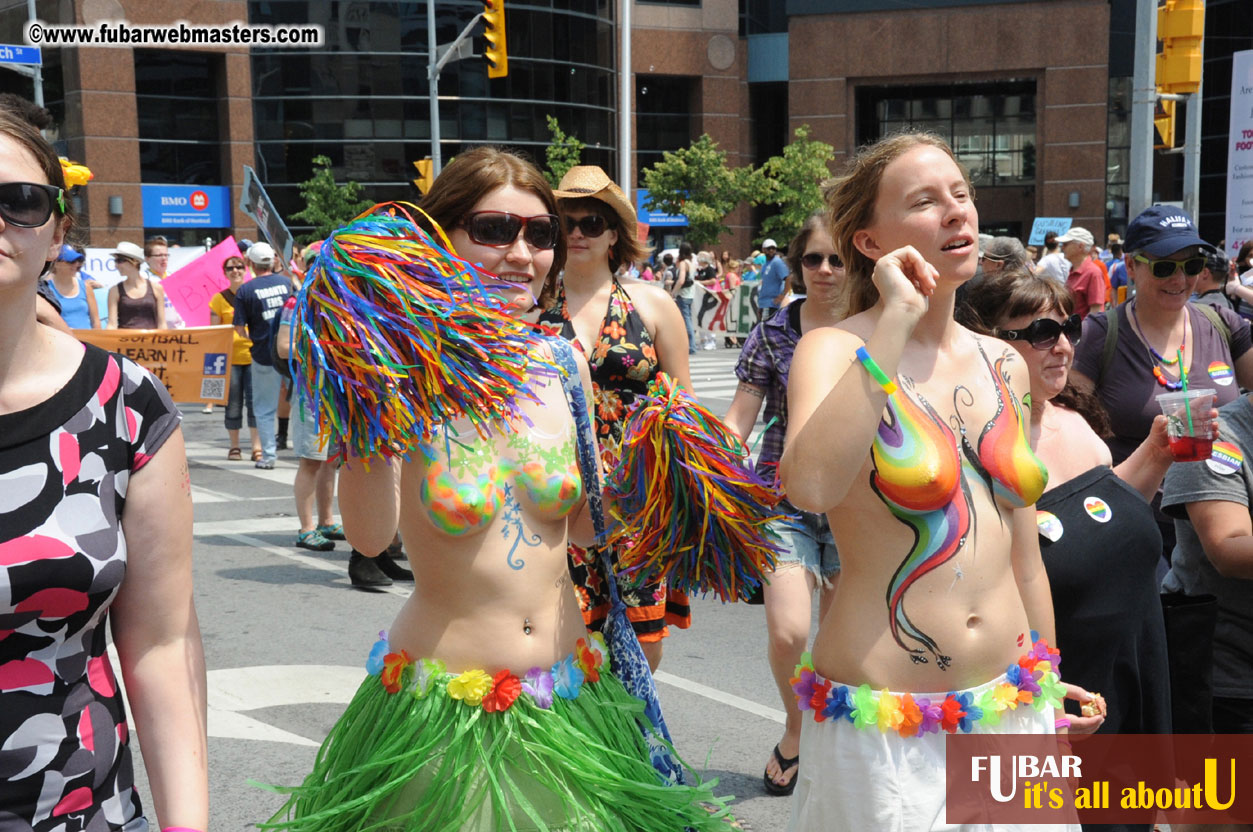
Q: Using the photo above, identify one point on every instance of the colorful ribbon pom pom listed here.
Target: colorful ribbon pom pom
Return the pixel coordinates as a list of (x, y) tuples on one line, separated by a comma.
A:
[(393, 336), (687, 508)]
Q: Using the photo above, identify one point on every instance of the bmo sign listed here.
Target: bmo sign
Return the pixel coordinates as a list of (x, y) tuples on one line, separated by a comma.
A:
[(187, 206)]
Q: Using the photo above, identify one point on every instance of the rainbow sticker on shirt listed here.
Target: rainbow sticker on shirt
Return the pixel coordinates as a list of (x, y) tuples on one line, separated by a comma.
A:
[(1097, 509), (1221, 374), (1226, 459)]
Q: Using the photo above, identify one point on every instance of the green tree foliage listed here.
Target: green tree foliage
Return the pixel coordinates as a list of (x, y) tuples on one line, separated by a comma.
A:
[(696, 182), (327, 205), (563, 153), (793, 182)]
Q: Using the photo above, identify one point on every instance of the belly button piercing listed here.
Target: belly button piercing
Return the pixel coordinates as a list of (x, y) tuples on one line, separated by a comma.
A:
[(526, 626)]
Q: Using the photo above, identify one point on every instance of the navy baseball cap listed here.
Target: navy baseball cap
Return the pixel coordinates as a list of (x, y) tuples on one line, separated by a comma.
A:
[(69, 255), (1161, 230)]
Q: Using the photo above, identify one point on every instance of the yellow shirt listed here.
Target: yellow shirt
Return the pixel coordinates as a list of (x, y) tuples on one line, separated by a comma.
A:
[(225, 309)]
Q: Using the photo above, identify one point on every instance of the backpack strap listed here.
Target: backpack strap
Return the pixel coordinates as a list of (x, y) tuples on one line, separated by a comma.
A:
[(1111, 344), (1217, 320)]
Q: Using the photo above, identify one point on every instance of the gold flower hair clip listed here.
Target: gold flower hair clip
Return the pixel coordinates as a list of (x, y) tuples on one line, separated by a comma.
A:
[(75, 174)]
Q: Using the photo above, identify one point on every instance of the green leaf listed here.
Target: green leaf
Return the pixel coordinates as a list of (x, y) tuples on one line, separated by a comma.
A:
[(793, 183), (328, 206), (563, 153)]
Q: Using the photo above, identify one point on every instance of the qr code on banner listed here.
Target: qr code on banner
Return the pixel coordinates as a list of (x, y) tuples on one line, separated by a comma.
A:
[(212, 388)]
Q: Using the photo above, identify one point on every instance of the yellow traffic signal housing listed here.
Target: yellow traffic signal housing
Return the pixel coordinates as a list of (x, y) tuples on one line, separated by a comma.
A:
[(426, 170), (1180, 28), (1164, 121), (497, 57)]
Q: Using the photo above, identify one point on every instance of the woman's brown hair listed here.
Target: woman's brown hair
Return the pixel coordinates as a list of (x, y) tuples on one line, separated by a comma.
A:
[(628, 249), (1013, 293), (851, 199), (474, 174)]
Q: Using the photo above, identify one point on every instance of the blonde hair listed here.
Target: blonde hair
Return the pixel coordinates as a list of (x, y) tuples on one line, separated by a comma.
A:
[(851, 199)]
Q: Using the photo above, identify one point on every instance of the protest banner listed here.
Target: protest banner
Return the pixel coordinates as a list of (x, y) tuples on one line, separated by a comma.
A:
[(1240, 154), (716, 315), (191, 287), (193, 363), (255, 202), (98, 264), (1043, 225)]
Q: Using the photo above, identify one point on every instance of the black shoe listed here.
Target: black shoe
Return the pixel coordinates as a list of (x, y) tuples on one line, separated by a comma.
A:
[(365, 573), (280, 442), (392, 569)]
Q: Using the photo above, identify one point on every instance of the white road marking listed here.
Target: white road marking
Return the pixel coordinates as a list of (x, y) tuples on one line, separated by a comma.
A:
[(721, 697)]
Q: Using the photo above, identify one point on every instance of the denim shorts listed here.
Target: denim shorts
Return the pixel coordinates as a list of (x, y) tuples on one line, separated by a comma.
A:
[(807, 541), (304, 435)]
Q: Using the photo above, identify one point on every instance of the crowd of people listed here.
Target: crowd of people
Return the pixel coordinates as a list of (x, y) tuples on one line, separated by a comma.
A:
[(918, 381)]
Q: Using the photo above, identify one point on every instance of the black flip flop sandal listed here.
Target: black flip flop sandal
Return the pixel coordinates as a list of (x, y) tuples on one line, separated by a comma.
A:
[(785, 763)]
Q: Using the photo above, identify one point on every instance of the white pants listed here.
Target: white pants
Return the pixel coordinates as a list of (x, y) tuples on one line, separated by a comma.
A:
[(860, 779)]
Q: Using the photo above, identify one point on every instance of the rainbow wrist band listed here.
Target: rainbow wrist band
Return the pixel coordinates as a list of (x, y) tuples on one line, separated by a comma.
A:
[(876, 372)]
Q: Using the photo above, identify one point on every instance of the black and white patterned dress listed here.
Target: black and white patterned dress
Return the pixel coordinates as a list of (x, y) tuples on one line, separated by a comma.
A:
[(65, 762)]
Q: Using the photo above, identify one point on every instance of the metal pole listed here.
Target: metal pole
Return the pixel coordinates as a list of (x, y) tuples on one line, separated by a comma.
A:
[(39, 70), (625, 99), (1192, 150), (432, 75), (1143, 100)]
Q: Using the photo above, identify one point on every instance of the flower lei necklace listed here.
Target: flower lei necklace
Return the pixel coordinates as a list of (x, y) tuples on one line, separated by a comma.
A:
[(1160, 360)]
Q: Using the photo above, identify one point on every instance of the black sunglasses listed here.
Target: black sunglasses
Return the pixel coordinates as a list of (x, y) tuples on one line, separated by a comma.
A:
[(813, 260), (500, 228), (593, 225), (1163, 269), (1044, 333), (233, 268), (29, 204)]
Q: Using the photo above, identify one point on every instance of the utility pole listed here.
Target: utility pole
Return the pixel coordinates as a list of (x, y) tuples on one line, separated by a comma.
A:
[(432, 77), (1143, 102), (1192, 155), (626, 98)]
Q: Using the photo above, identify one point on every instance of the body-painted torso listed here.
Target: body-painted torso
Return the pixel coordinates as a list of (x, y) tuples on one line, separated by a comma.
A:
[(920, 473)]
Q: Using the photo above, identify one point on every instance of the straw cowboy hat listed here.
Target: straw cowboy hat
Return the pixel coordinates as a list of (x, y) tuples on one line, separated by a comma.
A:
[(583, 181)]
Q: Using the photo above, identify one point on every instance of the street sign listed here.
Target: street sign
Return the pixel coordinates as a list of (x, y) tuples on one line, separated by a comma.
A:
[(10, 54), (654, 218)]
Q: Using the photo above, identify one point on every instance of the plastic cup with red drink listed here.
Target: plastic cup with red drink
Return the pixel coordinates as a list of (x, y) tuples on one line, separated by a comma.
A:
[(1189, 426)]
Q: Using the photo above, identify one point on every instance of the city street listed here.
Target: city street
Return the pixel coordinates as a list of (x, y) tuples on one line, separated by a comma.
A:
[(286, 639)]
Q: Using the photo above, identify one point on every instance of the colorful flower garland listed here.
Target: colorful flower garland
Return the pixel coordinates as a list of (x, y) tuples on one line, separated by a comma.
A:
[(1032, 680), (400, 672)]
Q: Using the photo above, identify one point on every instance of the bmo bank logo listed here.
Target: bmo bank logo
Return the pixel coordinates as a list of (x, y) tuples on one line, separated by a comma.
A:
[(198, 200)]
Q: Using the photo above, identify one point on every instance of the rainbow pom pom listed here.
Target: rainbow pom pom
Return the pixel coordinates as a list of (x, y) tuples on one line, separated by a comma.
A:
[(394, 335), (687, 508)]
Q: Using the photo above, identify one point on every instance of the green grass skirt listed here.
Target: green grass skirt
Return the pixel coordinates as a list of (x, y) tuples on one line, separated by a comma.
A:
[(396, 763)]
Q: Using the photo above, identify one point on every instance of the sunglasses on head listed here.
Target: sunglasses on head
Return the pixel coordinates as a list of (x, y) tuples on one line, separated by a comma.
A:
[(1043, 333), (593, 225), (813, 260), (500, 228), (29, 204), (1163, 269)]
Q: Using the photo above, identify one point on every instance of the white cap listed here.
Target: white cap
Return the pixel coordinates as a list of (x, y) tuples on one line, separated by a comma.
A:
[(768, 243), (261, 253), (130, 251), (1078, 235)]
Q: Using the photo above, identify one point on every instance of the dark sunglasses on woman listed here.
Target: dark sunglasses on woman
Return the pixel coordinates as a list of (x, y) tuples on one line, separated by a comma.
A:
[(813, 260), (1163, 269), (29, 204), (500, 228), (1044, 333), (593, 225)]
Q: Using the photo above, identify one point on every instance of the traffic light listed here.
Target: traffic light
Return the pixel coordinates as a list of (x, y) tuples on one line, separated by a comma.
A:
[(426, 170), (497, 58), (1164, 121), (1180, 27)]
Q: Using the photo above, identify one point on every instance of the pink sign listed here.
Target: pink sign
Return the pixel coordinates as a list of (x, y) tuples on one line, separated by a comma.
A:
[(192, 287)]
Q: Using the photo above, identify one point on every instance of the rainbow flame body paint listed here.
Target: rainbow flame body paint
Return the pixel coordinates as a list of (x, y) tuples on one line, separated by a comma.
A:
[(918, 475), (1005, 461)]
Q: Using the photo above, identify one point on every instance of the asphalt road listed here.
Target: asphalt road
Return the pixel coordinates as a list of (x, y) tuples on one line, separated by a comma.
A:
[(286, 639)]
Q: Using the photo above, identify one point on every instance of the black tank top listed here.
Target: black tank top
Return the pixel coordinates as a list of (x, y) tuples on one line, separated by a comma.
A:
[(137, 313)]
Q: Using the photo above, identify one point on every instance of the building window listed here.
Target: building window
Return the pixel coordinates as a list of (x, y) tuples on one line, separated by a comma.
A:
[(991, 127), (177, 104), (669, 2), (663, 117)]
